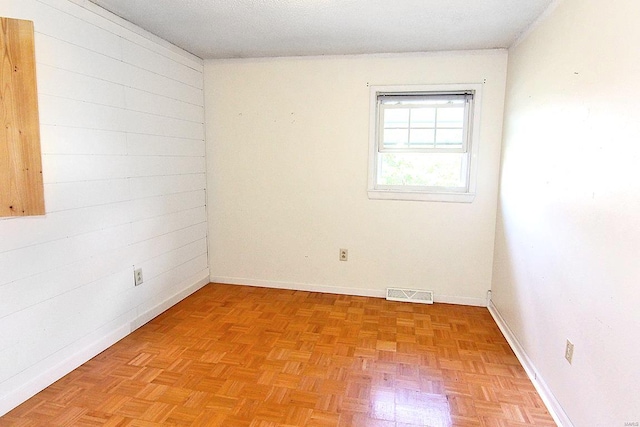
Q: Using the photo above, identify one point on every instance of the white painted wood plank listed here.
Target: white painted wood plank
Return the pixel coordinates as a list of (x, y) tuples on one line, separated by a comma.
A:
[(30, 291), (66, 84), (66, 140), (73, 195), (157, 266), (145, 250), (55, 311), (149, 124), (156, 185), (148, 81), (72, 113), (58, 225), (54, 323), (97, 18), (154, 145), (21, 263), (144, 58), (66, 168), (146, 102), (166, 165), (70, 168), (64, 26), (66, 56), (153, 227), (33, 290), (176, 54), (100, 17), (162, 205)]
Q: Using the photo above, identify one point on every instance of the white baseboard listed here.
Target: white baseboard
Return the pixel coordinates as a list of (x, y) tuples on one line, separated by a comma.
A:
[(476, 302), (553, 406), (148, 315), (309, 287), (340, 290), (107, 336)]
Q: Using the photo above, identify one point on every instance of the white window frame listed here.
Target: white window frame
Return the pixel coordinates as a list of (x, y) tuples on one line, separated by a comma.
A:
[(437, 194)]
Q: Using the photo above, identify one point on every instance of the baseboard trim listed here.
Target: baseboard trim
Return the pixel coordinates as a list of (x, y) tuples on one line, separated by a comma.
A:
[(340, 290), (155, 311), (476, 302), (547, 396), (119, 329), (294, 286)]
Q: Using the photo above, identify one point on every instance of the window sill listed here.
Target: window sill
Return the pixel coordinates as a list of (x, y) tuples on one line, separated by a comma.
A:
[(421, 196)]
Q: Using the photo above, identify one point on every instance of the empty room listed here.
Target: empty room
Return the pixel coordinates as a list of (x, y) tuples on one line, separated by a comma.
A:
[(320, 213)]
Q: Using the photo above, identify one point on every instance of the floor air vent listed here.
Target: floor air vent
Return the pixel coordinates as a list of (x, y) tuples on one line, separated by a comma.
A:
[(410, 295)]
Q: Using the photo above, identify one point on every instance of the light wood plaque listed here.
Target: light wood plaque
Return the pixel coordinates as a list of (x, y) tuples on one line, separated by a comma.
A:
[(21, 188)]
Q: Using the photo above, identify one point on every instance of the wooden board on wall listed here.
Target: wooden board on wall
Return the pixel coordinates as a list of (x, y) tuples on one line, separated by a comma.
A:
[(21, 188)]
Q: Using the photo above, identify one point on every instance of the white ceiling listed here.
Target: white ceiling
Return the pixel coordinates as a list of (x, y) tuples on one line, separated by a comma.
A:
[(263, 28)]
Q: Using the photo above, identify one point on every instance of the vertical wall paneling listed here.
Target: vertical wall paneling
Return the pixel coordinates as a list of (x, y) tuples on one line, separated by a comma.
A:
[(21, 191), (122, 140)]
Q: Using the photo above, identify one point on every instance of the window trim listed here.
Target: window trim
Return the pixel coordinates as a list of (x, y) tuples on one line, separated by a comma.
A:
[(424, 193)]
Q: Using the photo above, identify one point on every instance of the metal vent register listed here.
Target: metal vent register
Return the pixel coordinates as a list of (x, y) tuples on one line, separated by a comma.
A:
[(410, 295)]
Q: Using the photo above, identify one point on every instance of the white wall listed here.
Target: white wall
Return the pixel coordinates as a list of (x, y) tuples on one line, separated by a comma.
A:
[(287, 149), (568, 233), (121, 115)]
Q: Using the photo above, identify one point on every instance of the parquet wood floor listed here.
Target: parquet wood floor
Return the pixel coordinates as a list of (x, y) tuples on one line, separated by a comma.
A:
[(243, 356)]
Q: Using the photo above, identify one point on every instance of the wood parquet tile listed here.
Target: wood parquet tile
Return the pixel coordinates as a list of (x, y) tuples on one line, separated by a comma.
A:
[(251, 357)]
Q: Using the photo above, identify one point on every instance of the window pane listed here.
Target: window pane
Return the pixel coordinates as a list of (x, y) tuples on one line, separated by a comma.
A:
[(451, 138), (451, 117), (396, 117), (423, 117), (395, 138), (422, 169), (422, 138)]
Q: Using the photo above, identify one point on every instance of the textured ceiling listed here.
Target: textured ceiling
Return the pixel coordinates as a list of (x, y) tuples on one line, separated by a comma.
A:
[(262, 28)]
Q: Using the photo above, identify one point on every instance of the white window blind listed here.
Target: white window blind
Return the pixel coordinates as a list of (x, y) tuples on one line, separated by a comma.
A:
[(424, 122)]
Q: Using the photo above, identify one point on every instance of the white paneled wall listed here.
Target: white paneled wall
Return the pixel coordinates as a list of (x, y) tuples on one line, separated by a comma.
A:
[(121, 115)]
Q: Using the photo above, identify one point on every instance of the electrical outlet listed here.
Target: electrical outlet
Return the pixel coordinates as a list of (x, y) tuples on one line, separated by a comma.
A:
[(137, 276), (568, 351), (344, 255)]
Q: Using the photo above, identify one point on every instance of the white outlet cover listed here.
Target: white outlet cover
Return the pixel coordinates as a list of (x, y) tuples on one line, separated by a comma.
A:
[(137, 277), (568, 352)]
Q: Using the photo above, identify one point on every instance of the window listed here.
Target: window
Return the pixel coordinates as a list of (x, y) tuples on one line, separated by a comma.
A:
[(424, 142)]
